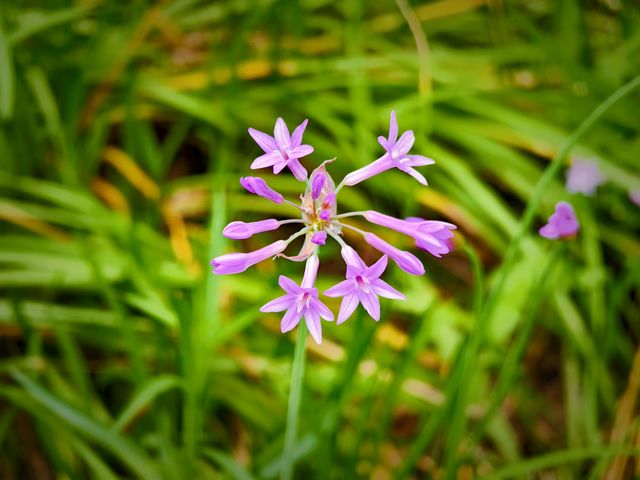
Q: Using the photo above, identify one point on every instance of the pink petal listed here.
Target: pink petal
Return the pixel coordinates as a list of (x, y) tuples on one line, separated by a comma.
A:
[(341, 289), (298, 170), (322, 309), (385, 290), (349, 304), (370, 303), (266, 160), (417, 175), (290, 320), (281, 134), (264, 141), (377, 268), (312, 319), (420, 161), (279, 304), (393, 128), (301, 151), (405, 143), (296, 136), (549, 231), (380, 165), (351, 258), (288, 285)]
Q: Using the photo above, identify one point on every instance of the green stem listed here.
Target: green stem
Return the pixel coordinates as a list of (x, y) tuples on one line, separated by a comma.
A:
[(293, 410)]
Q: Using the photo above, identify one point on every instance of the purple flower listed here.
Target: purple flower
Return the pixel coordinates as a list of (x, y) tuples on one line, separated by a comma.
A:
[(430, 235), (634, 196), (282, 150), (258, 186), (396, 156), (242, 230), (405, 260), (363, 285), (562, 223), (319, 220), (239, 262), (584, 176), (301, 301)]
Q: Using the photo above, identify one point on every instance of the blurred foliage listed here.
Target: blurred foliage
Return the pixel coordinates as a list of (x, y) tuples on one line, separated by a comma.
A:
[(122, 137)]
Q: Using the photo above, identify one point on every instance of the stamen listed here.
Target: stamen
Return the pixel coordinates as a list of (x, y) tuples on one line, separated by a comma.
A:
[(297, 234), (361, 232), (349, 214)]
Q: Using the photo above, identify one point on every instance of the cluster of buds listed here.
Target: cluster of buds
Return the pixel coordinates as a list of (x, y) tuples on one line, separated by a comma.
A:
[(320, 220)]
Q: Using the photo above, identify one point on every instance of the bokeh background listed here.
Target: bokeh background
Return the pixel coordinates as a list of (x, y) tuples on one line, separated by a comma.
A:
[(123, 134)]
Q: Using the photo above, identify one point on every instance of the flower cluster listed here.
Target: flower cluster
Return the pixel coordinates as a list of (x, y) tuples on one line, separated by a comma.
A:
[(319, 220)]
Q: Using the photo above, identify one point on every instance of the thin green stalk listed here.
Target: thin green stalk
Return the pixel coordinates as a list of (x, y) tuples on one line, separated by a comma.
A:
[(293, 410), (460, 398)]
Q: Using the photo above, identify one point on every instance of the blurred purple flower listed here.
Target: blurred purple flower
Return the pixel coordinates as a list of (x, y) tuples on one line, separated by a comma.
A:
[(563, 223), (282, 150), (584, 176), (363, 285), (634, 196)]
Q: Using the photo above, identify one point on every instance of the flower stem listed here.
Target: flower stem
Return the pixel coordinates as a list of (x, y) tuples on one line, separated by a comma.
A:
[(349, 214), (351, 227), (293, 410)]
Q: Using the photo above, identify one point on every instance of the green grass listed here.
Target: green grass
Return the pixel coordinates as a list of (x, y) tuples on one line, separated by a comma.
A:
[(123, 132)]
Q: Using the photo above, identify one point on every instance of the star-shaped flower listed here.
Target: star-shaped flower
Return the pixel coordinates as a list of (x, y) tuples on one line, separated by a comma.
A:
[(396, 156), (282, 150), (363, 285), (301, 301)]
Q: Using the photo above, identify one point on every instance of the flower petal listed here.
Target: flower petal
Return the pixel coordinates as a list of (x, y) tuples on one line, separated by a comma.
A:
[(290, 320), (341, 289), (322, 309), (296, 136), (377, 268), (312, 319), (264, 141), (279, 304), (349, 304), (300, 151), (297, 169), (370, 303), (281, 134), (415, 174), (288, 285), (374, 168), (266, 160), (393, 129), (385, 290), (420, 160), (404, 144)]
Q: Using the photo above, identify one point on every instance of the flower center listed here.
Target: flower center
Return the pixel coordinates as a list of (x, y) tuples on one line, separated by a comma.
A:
[(363, 283), (303, 301)]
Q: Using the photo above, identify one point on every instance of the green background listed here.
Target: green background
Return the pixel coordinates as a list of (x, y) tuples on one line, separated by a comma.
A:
[(123, 133)]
